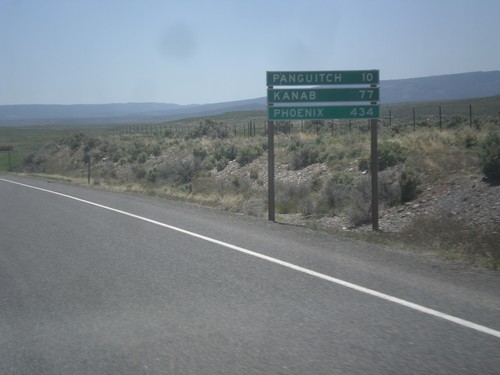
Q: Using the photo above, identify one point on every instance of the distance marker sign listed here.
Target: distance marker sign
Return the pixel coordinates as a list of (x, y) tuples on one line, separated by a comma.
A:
[(350, 94), (323, 112), (348, 77), (324, 100), (322, 95)]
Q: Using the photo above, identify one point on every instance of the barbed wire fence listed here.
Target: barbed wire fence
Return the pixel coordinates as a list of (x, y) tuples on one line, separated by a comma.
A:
[(395, 117)]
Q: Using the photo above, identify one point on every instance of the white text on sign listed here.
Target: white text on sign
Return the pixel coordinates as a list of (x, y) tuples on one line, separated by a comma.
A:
[(322, 78), (290, 96), (306, 78)]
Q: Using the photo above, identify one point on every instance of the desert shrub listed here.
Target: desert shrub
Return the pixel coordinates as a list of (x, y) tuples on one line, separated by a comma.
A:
[(135, 149), (108, 170), (33, 162), (179, 171), (424, 124), (248, 153), (360, 203), (245, 187), (254, 174), (337, 191), (236, 181), (154, 149), (142, 157), (152, 175), (209, 128), (90, 143), (308, 154), (397, 128), (200, 153), (225, 151), (316, 183), (221, 164), (410, 185), (352, 152), (294, 143), (290, 197), (283, 127), (389, 188), (81, 140), (28, 159), (111, 150), (139, 172), (74, 141), (390, 154), (467, 138), (364, 164), (306, 206), (207, 164), (489, 157), (455, 122), (254, 207)]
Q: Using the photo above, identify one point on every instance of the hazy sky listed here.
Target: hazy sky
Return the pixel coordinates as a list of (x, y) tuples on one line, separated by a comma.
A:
[(205, 51)]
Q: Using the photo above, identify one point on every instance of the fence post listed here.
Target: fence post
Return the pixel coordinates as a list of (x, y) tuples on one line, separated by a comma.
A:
[(88, 170), (470, 115), (440, 119)]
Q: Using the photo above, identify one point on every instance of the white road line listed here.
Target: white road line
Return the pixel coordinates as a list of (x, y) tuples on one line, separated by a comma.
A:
[(399, 301)]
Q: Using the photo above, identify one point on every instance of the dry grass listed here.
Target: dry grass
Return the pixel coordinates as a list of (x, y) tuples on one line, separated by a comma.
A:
[(456, 240), (185, 171)]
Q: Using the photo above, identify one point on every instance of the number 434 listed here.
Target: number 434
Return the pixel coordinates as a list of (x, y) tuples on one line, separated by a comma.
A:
[(362, 111)]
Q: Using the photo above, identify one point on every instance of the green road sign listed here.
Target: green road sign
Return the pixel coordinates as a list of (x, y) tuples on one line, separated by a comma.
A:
[(313, 78), (323, 112), (323, 95)]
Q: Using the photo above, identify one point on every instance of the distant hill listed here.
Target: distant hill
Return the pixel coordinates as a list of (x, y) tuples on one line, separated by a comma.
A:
[(425, 89), (444, 87), (39, 114)]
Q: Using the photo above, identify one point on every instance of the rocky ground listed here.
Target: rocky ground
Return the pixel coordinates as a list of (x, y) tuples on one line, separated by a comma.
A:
[(470, 200), (466, 199), (455, 209)]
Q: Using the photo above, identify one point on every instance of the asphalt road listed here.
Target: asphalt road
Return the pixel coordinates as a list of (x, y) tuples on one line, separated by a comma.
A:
[(94, 282)]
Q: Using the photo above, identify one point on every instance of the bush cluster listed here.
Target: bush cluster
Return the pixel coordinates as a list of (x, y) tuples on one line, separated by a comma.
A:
[(489, 157), (410, 185), (81, 140), (209, 128), (291, 198), (248, 153), (222, 154), (304, 154), (390, 154), (337, 192)]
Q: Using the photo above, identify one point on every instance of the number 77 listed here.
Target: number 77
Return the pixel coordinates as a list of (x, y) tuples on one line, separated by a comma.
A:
[(366, 94)]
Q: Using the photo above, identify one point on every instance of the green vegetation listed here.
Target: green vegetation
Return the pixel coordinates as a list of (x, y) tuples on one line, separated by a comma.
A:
[(489, 157), (322, 168), (29, 139)]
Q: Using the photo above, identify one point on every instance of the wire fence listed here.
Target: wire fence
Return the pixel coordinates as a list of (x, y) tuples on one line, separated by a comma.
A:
[(397, 116)]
